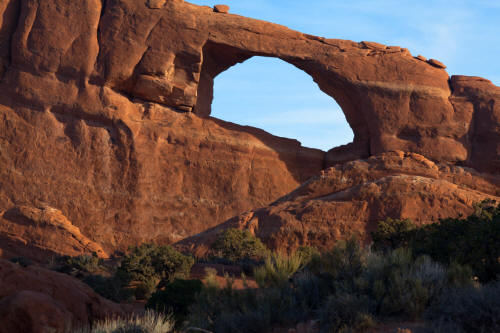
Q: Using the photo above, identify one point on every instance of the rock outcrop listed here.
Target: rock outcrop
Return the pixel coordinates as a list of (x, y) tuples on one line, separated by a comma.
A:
[(349, 199), (41, 234), (36, 300), (105, 116)]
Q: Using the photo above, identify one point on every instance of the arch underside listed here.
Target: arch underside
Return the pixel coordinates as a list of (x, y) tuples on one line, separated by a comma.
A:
[(218, 58)]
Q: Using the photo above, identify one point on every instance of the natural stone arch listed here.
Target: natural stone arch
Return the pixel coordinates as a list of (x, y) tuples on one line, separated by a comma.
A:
[(291, 81), (390, 99), (218, 58)]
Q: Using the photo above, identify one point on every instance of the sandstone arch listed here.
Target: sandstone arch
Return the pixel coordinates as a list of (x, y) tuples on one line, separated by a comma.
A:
[(391, 99), (104, 115), (275, 96)]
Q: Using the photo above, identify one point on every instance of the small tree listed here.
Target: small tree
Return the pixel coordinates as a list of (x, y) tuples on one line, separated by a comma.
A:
[(235, 245), (392, 233), (151, 264)]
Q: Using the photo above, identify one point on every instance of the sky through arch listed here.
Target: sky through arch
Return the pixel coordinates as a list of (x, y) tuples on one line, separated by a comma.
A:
[(281, 99), (463, 34)]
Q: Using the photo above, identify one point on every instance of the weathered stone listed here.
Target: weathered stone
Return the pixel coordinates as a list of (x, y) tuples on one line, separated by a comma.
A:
[(33, 312), (35, 300), (374, 45), (421, 57), (221, 9), (436, 63), (156, 4), (349, 199), (90, 122), (40, 233)]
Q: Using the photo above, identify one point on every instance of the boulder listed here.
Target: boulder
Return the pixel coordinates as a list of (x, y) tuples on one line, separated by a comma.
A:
[(41, 233), (34, 299), (436, 63), (33, 312), (221, 9)]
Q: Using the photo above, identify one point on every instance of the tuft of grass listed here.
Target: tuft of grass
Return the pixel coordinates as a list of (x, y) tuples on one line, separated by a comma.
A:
[(149, 322), (277, 270)]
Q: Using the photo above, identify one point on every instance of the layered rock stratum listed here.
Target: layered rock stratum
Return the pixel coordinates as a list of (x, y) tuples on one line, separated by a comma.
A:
[(106, 138)]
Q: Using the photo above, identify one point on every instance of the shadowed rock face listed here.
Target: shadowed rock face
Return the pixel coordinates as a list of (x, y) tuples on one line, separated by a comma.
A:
[(105, 114), (37, 300), (349, 199)]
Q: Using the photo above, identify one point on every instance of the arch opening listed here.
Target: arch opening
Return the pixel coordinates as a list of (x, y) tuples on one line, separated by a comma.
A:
[(303, 103), (277, 97)]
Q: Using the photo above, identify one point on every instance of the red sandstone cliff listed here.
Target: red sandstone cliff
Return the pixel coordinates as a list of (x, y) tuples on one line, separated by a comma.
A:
[(106, 140), (104, 116)]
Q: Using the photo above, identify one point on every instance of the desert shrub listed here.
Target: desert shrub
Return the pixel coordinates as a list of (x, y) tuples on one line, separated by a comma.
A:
[(176, 297), (341, 265), (22, 261), (277, 269), (235, 245), (473, 242), (400, 285), (467, 310), (150, 264), (149, 322), (307, 253), (343, 312), (392, 234), (79, 266), (367, 285), (112, 288), (223, 309)]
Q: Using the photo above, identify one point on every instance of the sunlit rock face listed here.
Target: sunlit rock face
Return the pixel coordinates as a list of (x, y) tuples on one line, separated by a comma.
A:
[(105, 117)]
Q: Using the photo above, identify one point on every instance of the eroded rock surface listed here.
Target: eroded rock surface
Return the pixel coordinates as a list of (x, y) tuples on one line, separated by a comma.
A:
[(36, 300), (42, 233), (105, 116), (349, 199)]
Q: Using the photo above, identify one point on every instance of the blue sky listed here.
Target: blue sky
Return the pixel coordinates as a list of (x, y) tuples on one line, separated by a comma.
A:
[(277, 97)]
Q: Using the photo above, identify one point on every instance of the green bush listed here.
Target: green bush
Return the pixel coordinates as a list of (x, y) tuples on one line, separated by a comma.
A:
[(393, 285), (277, 270), (152, 262), (79, 266), (467, 310), (307, 253), (342, 264), (235, 245), (392, 234), (401, 286), (112, 288), (472, 242), (256, 310), (344, 312), (176, 297)]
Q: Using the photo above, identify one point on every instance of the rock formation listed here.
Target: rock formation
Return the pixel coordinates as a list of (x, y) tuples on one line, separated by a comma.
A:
[(349, 199), (36, 300), (105, 116)]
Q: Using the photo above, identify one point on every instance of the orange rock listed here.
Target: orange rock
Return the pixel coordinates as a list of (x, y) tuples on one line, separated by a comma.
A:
[(348, 200), (436, 63), (28, 311), (109, 121), (421, 57), (47, 301), (221, 9), (41, 233)]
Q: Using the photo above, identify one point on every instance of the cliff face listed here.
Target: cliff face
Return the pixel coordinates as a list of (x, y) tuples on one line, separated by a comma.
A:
[(105, 116)]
